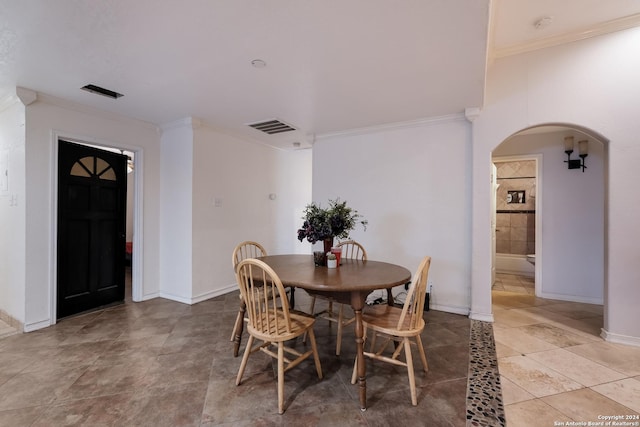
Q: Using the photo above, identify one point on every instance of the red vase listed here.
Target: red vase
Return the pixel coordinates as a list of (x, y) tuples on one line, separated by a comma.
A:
[(328, 244)]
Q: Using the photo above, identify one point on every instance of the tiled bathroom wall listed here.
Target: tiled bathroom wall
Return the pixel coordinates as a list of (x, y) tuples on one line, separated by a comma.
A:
[(515, 221)]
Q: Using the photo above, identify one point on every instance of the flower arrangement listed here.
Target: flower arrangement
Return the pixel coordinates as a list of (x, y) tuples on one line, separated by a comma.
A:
[(335, 221)]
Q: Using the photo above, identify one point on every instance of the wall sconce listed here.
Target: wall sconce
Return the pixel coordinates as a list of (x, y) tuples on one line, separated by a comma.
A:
[(583, 148)]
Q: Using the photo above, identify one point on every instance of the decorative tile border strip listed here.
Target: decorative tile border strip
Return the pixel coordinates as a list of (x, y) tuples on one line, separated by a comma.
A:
[(484, 394)]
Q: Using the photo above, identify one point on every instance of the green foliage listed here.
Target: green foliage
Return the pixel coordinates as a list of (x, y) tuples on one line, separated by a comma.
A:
[(335, 221)]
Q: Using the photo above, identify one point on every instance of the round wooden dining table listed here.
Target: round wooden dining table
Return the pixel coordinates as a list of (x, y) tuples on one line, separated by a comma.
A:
[(350, 283)]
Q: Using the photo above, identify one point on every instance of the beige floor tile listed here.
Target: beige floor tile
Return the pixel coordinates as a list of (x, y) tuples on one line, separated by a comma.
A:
[(585, 405), (535, 378), (543, 315), (576, 367), (505, 299), (521, 341), (589, 327), (625, 359), (625, 392), (577, 310), (503, 350), (579, 328), (514, 288), (514, 318), (554, 335), (512, 393), (532, 413)]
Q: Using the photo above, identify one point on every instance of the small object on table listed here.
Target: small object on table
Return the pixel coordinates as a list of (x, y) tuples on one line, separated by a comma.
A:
[(320, 259), (332, 260)]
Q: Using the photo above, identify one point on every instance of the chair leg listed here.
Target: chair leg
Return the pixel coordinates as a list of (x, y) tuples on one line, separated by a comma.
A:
[(243, 364), (340, 326), (412, 377), (354, 375), (236, 325), (423, 356), (281, 377), (313, 305), (314, 348)]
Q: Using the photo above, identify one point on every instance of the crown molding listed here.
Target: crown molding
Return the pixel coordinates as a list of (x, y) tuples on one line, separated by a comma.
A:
[(86, 109), (27, 96), (185, 122), (393, 126), (612, 26), (472, 113)]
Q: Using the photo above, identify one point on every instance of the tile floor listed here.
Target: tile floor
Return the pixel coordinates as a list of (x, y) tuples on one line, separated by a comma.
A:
[(162, 363), (6, 329), (554, 366), (165, 363)]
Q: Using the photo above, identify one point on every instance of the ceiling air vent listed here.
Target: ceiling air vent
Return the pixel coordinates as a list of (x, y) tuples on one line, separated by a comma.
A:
[(272, 126), (102, 91)]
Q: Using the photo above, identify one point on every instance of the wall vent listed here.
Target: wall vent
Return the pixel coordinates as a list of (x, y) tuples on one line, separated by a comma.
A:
[(102, 91), (272, 126)]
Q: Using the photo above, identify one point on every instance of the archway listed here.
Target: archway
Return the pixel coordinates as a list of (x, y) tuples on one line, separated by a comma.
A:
[(570, 230)]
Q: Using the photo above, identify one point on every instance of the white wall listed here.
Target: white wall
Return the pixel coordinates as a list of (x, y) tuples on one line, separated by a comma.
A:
[(591, 83), (12, 211), (572, 217), (412, 185), (176, 200), (241, 175), (47, 118), (186, 245)]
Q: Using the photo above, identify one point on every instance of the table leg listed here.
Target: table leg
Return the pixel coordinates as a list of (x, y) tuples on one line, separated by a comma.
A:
[(357, 303), (239, 327), (390, 297), (292, 298)]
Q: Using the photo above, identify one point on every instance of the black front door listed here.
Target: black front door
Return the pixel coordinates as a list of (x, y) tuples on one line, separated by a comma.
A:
[(92, 194)]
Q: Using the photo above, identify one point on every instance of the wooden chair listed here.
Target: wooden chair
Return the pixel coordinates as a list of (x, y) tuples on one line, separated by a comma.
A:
[(350, 250), (271, 322), (244, 250), (399, 325)]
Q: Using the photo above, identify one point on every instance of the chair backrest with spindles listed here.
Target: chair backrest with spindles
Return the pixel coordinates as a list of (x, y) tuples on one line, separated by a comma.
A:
[(414, 303), (247, 249), (353, 250), (261, 289)]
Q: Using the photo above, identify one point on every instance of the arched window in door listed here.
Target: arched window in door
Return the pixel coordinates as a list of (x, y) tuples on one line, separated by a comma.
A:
[(93, 167)]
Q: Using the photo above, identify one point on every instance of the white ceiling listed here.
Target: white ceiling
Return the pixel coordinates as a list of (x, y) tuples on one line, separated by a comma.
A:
[(332, 65)]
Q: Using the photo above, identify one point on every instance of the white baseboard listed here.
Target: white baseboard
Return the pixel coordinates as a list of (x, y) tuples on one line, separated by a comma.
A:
[(150, 296), (483, 317), (215, 293), (572, 298), (176, 298), (199, 298), (29, 327), (620, 339), (449, 309)]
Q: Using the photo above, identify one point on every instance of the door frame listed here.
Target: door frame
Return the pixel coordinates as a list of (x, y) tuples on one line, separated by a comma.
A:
[(538, 218), (136, 263)]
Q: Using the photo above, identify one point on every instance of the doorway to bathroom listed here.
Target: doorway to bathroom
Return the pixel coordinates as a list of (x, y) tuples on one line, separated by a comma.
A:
[(516, 224), (569, 228)]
